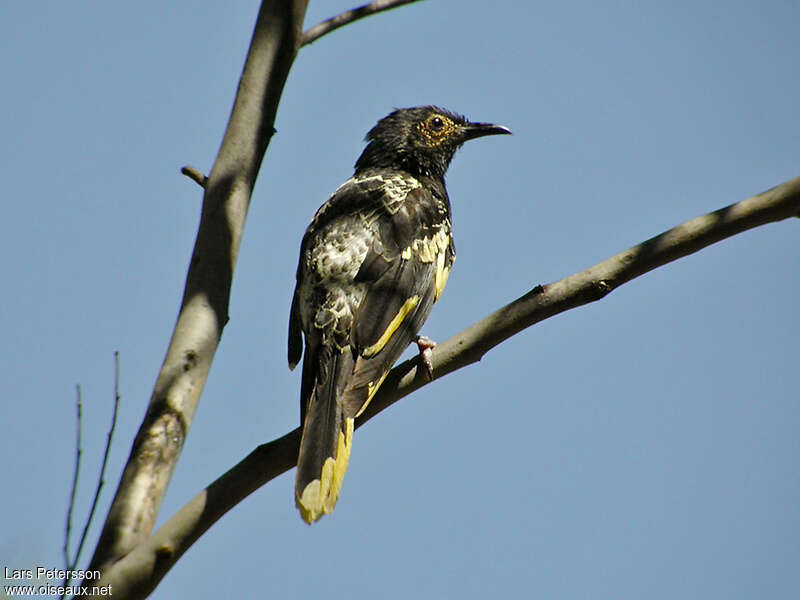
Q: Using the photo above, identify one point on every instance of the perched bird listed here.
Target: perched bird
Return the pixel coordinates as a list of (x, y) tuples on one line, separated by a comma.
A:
[(374, 259)]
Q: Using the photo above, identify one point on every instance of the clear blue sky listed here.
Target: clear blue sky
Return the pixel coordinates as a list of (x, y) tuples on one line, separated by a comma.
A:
[(642, 447)]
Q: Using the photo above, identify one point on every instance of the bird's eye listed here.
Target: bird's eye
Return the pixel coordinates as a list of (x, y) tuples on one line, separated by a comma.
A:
[(436, 123)]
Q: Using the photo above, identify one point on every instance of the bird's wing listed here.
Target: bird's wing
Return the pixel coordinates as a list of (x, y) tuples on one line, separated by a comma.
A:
[(357, 200), (405, 270), (389, 320)]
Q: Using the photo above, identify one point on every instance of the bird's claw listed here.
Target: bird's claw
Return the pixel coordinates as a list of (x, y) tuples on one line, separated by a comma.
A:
[(426, 345)]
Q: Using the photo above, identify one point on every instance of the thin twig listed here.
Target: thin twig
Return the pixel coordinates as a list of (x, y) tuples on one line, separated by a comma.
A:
[(195, 175), (328, 25), (67, 563), (101, 481)]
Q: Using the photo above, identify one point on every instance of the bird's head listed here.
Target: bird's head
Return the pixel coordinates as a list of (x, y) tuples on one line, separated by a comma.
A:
[(420, 140)]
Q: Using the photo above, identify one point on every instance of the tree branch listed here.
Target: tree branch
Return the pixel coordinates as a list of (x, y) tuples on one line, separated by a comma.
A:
[(312, 35), (141, 570), (75, 476), (204, 308), (195, 175)]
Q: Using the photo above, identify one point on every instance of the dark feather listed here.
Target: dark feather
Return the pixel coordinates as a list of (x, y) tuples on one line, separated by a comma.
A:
[(295, 335)]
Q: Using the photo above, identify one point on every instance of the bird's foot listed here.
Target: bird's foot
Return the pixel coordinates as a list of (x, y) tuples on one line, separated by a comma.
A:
[(426, 345)]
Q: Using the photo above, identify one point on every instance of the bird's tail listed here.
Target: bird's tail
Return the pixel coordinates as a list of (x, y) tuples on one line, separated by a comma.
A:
[(327, 432)]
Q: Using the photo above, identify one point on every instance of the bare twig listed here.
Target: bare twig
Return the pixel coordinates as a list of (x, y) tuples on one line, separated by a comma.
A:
[(141, 570), (75, 476), (72, 564), (109, 437), (312, 35), (195, 175)]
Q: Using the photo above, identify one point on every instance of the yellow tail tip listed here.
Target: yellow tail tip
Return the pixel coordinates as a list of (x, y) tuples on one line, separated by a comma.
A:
[(310, 503), (320, 495)]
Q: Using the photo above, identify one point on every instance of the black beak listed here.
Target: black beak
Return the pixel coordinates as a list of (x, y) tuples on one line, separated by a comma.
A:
[(476, 130)]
